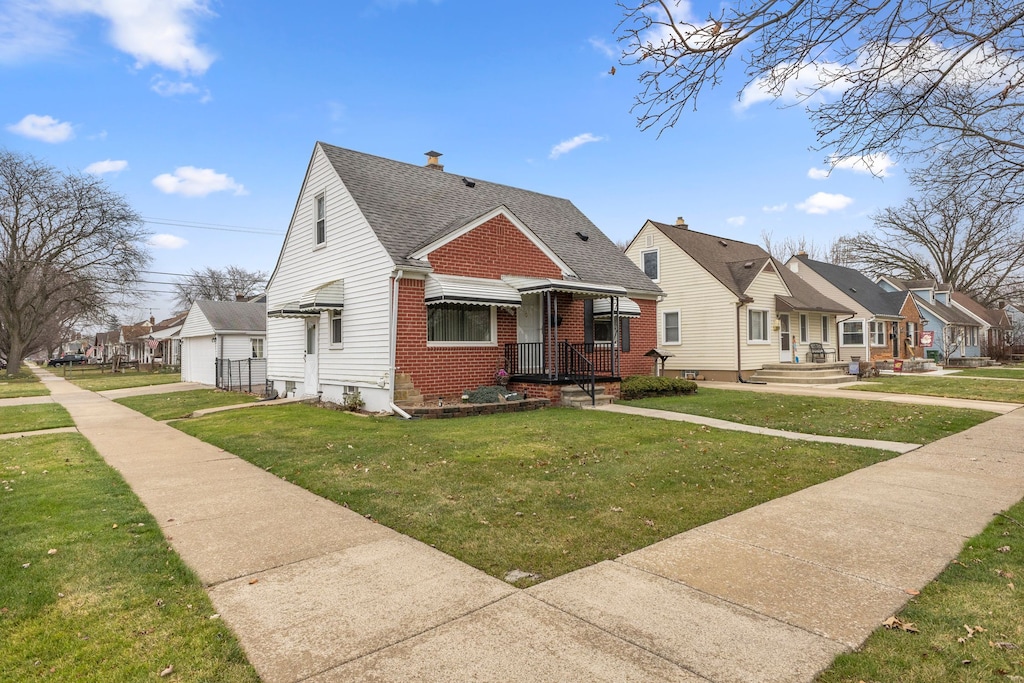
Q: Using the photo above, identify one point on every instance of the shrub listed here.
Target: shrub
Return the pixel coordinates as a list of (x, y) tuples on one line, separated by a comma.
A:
[(491, 395), (354, 401), (642, 386)]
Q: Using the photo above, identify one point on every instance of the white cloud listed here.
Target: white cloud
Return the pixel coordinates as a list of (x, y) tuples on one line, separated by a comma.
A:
[(45, 128), (160, 32), (106, 166), (162, 86), (876, 164), (824, 202), (775, 208), (736, 220), (811, 83), (196, 182), (567, 146), (603, 47), (165, 241), (817, 173)]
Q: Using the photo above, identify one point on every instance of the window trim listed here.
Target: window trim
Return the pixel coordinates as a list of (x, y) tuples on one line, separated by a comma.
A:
[(320, 219), (877, 329), (805, 328), (443, 344), (679, 327), (657, 263), (262, 347), (843, 333), (765, 327), (826, 325), (340, 342)]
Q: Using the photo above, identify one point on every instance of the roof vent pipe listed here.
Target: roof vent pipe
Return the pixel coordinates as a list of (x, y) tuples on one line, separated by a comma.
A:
[(434, 160)]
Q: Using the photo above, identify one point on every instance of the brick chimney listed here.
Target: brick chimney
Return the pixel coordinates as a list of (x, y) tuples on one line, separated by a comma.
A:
[(680, 223), (434, 160), (240, 297)]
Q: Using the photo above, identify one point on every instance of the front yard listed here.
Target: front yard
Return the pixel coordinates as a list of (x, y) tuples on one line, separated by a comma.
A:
[(89, 589), (183, 403), (33, 417), (95, 380), (826, 416), (545, 492), (25, 384), (950, 387)]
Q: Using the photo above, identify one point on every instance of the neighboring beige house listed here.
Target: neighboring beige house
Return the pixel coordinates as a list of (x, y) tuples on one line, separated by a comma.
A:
[(729, 307)]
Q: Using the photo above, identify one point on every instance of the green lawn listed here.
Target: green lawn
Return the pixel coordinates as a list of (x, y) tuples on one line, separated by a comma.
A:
[(951, 387), (827, 416), (1003, 372), (25, 384), (183, 403), (32, 417), (95, 381), (89, 590), (982, 588), (545, 492)]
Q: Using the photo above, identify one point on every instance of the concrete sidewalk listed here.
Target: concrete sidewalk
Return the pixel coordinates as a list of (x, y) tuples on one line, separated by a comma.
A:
[(316, 592)]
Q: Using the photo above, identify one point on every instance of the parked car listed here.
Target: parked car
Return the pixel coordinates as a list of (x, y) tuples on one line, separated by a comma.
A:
[(68, 359)]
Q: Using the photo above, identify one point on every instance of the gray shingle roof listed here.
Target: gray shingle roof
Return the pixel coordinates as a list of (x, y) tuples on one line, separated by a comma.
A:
[(858, 287), (410, 206), (727, 260), (234, 316), (945, 313)]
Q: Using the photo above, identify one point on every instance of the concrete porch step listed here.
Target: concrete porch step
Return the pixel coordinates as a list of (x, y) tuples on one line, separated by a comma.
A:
[(574, 397)]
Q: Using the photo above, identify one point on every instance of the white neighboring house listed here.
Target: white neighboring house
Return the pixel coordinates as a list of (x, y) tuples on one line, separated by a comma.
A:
[(220, 331)]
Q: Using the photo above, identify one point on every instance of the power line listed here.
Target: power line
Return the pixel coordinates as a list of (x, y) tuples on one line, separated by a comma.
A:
[(211, 226)]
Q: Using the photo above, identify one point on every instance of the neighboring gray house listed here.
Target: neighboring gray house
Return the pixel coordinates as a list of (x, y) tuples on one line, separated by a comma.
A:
[(218, 331), (955, 333)]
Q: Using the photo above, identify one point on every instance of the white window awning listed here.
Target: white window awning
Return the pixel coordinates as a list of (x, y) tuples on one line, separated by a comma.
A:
[(627, 307), (580, 289), (472, 291), (326, 297)]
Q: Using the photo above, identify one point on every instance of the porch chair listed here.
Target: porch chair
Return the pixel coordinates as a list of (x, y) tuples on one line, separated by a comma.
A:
[(816, 352)]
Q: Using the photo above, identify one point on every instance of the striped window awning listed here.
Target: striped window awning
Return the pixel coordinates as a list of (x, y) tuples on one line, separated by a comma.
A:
[(472, 291), (580, 289), (326, 297), (627, 307)]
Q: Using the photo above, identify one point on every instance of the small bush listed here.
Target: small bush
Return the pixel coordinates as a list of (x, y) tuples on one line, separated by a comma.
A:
[(487, 394), (642, 386), (354, 401)]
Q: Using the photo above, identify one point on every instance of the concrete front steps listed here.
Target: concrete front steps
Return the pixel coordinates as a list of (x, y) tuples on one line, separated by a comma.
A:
[(804, 373), (405, 392), (574, 397)]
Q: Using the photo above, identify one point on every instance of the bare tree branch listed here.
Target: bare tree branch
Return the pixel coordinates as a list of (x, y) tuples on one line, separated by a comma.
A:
[(218, 285)]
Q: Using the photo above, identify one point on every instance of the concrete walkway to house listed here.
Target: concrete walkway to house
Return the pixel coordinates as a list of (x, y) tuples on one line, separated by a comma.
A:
[(835, 391), (147, 390), (317, 593), (897, 446)]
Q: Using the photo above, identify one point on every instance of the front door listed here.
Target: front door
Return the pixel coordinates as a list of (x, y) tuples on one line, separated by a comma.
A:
[(312, 383), (530, 335), (785, 341), (895, 340)]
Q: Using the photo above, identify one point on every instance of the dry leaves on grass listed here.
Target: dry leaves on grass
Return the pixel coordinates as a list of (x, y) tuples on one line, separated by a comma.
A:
[(897, 624)]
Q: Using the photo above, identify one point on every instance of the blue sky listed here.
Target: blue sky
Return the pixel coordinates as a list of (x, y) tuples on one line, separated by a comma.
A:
[(205, 113)]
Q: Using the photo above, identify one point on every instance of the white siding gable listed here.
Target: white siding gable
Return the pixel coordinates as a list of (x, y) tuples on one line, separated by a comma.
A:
[(196, 324)]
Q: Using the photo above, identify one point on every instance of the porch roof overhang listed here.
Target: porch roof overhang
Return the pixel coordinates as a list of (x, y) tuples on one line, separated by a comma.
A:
[(471, 291), (579, 289), (327, 297), (789, 303), (627, 308)]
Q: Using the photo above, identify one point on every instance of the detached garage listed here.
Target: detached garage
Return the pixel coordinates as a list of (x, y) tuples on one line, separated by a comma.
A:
[(222, 344)]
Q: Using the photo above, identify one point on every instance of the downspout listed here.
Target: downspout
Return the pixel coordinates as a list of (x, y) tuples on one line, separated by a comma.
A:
[(393, 350), (839, 336), (739, 362)]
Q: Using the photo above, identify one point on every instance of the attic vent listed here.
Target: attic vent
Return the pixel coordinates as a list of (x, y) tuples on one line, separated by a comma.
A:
[(649, 241), (723, 243), (468, 183), (748, 264), (582, 235)]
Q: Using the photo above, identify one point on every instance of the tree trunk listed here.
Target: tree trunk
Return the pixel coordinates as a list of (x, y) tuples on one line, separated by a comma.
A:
[(14, 357)]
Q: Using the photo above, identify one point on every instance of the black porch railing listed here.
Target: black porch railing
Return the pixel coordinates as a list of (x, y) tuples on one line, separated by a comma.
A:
[(580, 370), (528, 360), (248, 375)]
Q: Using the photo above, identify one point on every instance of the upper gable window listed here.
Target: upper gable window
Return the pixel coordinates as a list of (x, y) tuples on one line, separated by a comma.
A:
[(649, 259), (319, 210)]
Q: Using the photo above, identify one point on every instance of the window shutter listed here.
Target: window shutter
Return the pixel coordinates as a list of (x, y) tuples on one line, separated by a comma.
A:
[(625, 334), (588, 321)]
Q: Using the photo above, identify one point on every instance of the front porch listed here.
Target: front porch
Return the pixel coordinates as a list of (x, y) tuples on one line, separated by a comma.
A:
[(554, 368)]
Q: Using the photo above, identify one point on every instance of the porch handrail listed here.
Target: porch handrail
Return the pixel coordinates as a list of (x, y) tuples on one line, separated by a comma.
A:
[(580, 370)]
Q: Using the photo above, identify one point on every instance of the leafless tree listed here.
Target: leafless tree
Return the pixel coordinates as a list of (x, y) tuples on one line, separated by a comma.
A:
[(939, 81), (218, 285), (69, 247), (959, 236), (789, 246)]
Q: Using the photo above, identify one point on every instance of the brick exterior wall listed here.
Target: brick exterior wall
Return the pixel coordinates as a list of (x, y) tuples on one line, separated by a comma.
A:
[(910, 313), (491, 250)]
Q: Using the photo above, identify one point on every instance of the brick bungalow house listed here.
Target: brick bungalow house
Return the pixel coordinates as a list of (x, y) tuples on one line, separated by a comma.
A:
[(392, 272)]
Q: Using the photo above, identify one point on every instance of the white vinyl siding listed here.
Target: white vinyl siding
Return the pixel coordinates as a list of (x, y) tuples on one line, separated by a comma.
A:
[(353, 253)]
